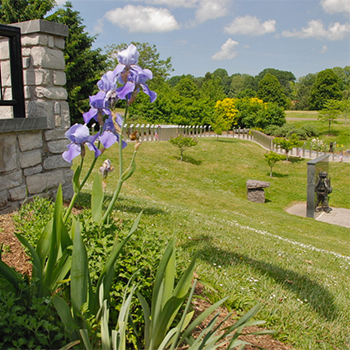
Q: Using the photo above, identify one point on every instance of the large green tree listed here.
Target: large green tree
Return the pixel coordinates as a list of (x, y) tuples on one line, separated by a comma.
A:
[(302, 90), (326, 87), (270, 90), (84, 66), (12, 11), (284, 77)]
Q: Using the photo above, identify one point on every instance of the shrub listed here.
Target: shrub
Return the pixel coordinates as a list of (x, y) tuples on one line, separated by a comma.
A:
[(182, 143), (27, 322)]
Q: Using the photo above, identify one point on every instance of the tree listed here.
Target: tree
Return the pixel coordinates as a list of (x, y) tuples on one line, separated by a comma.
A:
[(287, 144), (149, 58), (330, 113), (226, 112), (326, 87), (284, 77), (270, 90), (12, 11), (83, 65), (182, 143), (302, 90), (272, 158)]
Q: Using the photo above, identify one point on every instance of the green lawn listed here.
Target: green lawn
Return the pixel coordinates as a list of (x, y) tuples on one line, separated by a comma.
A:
[(298, 268)]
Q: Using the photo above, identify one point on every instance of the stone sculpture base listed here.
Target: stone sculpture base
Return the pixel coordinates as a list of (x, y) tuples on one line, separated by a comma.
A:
[(256, 191)]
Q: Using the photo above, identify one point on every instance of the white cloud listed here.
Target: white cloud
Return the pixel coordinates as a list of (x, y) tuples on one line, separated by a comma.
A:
[(209, 9), (174, 3), (316, 29), (227, 51), (60, 2), (333, 6), (98, 28), (143, 19), (251, 26), (324, 49)]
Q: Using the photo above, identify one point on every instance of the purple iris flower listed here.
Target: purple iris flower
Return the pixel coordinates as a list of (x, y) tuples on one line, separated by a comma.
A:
[(127, 58), (79, 135), (109, 134), (107, 82), (136, 77), (98, 103)]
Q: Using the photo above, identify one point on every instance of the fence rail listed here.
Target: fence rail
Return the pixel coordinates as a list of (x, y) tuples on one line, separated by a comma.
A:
[(150, 132)]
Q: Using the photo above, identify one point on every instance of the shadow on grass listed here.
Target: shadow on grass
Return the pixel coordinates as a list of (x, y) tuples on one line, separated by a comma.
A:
[(84, 202), (319, 298), (277, 175), (188, 159), (295, 159)]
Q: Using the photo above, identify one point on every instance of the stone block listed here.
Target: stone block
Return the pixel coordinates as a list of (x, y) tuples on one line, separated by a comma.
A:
[(251, 184), (42, 182), (55, 93), (34, 40), (30, 158), (30, 141), (26, 62), (60, 43), (55, 162), (8, 147), (55, 134), (58, 121), (39, 108), (59, 78), (33, 170), (11, 180), (58, 146), (26, 52), (56, 108), (6, 112), (29, 77), (3, 198), (256, 195), (65, 115), (4, 49), (27, 93), (51, 42), (42, 77), (18, 193), (5, 74), (48, 58)]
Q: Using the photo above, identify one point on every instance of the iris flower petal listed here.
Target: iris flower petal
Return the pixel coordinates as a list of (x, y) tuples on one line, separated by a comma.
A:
[(108, 139), (92, 147), (128, 56), (123, 91), (89, 115), (73, 151)]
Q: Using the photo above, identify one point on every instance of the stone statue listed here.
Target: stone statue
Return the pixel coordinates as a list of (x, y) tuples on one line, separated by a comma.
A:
[(323, 188)]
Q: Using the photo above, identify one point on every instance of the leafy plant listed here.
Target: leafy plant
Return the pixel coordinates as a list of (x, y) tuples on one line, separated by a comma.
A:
[(272, 158), (182, 143), (27, 321), (287, 144)]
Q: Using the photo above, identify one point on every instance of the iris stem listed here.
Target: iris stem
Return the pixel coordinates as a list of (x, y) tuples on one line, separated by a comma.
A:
[(87, 175)]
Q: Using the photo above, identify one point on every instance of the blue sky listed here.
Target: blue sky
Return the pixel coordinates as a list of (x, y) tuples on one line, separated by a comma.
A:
[(246, 36)]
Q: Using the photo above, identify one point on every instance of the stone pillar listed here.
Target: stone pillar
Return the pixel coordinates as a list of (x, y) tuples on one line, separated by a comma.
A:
[(32, 163)]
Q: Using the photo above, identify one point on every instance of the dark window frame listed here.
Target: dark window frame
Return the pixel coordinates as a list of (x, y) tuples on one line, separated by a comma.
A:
[(16, 67)]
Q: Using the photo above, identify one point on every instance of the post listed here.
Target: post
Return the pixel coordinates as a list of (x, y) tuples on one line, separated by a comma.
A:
[(313, 168)]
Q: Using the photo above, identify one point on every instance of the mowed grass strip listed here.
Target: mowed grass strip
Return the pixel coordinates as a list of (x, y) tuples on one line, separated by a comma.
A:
[(297, 267)]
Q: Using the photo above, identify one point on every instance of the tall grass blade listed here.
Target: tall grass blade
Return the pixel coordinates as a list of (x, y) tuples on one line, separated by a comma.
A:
[(9, 275), (97, 200), (64, 312), (79, 273)]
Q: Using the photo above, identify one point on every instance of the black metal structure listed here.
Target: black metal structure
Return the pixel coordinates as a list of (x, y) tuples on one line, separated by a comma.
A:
[(17, 102)]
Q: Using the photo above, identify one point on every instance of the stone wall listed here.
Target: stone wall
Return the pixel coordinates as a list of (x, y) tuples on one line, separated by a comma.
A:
[(31, 162)]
